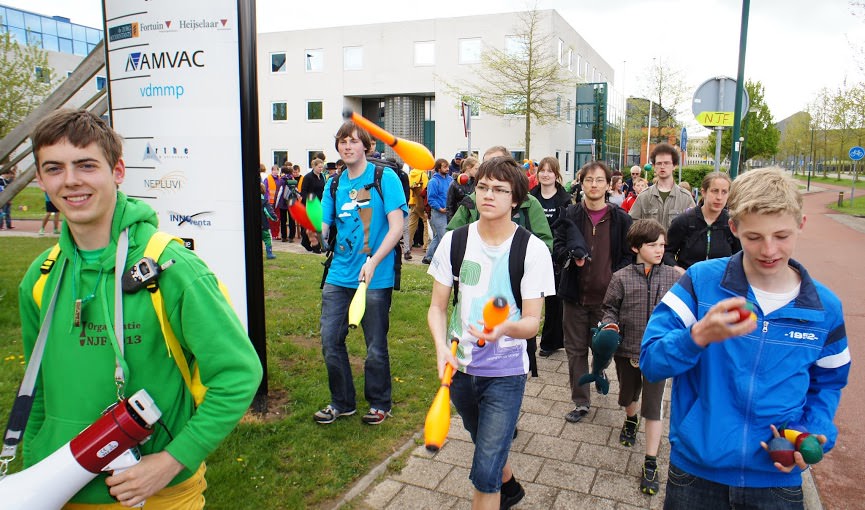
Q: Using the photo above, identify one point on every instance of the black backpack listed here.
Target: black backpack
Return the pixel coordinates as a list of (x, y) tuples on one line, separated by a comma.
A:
[(516, 268), (376, 184)]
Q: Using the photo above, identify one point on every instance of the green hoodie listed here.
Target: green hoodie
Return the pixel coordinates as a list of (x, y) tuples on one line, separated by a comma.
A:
[(76, 381)]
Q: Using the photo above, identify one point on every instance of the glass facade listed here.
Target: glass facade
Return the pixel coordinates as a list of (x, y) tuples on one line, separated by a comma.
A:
[(52, 34)]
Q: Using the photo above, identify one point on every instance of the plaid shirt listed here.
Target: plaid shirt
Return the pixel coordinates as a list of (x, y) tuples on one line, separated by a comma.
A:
[(630, 299)]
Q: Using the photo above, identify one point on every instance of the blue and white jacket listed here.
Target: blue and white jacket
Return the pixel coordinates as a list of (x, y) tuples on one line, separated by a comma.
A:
[(791, 369)]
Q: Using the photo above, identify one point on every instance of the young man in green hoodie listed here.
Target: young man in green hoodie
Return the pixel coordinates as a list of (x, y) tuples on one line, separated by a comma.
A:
[(79, 166)]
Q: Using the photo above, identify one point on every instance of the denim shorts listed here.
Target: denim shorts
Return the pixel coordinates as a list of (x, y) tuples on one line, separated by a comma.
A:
[(686, 491), (489, 407)]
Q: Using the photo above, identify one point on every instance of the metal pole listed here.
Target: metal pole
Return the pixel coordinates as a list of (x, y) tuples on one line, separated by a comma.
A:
[(718, 131), (811, 166), (740, 86), (469, 131), (649, 130), (853, 186), (624, 117)]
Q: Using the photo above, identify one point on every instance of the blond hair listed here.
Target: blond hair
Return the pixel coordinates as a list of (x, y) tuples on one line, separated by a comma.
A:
[(764, 191)]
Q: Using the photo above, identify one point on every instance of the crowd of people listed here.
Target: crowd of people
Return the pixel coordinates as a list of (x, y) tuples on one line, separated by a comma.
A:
[(597, 259)]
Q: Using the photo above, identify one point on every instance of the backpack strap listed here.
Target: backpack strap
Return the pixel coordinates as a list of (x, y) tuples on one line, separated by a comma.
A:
[(517, 262), (44, 269), (459, 240), (155, 246)]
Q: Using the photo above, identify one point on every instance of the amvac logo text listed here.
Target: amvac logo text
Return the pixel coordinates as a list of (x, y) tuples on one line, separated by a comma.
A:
[(138, 61)]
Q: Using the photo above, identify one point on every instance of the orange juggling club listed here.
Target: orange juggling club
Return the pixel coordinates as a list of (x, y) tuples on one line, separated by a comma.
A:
[(413, 153), (438, 418), (496, 311), (298, 212)]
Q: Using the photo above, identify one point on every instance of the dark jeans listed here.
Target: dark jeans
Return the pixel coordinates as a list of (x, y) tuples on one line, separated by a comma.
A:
[(686, 492), (334, 328), (489, 407), (283, 223), (552, 337)]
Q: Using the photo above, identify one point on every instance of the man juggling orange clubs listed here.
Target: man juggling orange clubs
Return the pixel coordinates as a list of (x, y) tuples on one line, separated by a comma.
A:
[(488, 386)]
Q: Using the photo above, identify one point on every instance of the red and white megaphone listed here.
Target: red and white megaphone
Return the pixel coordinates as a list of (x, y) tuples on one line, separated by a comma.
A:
[(103, 446)]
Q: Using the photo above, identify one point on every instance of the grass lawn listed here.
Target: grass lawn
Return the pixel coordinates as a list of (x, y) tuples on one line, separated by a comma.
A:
[(858, 208), (32, 199), (846, 183), (285, 460)]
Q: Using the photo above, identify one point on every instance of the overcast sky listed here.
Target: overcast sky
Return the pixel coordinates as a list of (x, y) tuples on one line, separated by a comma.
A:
[(795, 47)]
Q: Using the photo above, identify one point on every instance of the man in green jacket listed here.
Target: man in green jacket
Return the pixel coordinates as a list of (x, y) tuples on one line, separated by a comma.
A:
[(79, 166), (529, 215)]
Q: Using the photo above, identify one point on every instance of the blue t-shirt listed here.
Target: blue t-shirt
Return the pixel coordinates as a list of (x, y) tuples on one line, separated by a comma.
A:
[(348, 256)]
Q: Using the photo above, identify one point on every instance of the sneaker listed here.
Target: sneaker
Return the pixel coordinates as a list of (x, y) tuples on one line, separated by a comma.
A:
[(407, 256), (628, 435), (329, 415), (375, 416), (41, 231), (426, 260), (508, 501), (649, 480), (577, 414), (56, 231), (546, 353)]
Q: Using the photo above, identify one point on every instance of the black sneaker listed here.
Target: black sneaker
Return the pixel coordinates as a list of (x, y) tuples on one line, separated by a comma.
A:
[(628, 435), (649, 480), (509, 501), (426, 260), (329, 415), (577, 414)]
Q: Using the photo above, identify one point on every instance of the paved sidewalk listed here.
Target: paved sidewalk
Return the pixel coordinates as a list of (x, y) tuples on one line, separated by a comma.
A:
[(560, 465)]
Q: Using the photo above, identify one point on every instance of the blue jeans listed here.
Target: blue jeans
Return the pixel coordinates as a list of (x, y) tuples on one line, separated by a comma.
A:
[(334, 328), (6, 215), (686, 491), (439, 224), (489, 407)]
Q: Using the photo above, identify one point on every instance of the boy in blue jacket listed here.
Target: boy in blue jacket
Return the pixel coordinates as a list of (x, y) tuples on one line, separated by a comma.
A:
[(735, 380)]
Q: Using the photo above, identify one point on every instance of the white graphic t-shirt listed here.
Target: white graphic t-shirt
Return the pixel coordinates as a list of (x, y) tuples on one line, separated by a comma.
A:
[(484, 275)]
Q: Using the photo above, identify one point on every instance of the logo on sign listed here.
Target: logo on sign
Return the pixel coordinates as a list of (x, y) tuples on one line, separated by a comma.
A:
[(140, 61), (159, 152), (127, 31), (168, 183), (191, 219), (148, 27)]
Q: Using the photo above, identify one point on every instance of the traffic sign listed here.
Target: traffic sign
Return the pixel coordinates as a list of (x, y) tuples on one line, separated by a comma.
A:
[(856, 153), (714, 102), (683, 140)]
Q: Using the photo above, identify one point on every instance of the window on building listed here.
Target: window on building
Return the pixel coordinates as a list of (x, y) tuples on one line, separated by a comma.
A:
[(559, 107), (277, 62), (50, 43), (516, 46), (310, 155), (472, 104), (352, 58), (579, 58), (519, 154), (314, 60), (34, 39), (568, 111), (470, 50), (42, 74), (561, 52), (424, 53), (101, 82), (314, 110), (429, 109), (586, 69), (570, 59), (515, 105), (280, 157), (280, 111)]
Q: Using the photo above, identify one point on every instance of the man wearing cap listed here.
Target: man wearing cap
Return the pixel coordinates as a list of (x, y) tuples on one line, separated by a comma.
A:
[(456, 164)]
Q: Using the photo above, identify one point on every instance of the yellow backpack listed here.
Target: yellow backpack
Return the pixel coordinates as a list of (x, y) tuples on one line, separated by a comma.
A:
[(154, 249)]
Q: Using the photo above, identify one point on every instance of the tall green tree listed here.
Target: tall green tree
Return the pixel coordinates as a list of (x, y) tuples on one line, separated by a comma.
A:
[(665, 86), (795, 139), (761, 135), (25, 80), (523, 79)]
